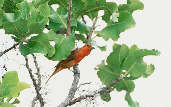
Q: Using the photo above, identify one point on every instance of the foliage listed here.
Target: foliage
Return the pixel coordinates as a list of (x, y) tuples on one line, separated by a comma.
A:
[(10, 88), (22, 19), (128, 63)]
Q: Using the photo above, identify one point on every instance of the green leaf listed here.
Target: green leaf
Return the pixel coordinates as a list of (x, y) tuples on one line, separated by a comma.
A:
[(37, 3), (11, 87), (6, 105), (37, 21), (130, 101), (131, 6), (91, 8), (63, 47), (38, 44), (81, 37), (105, 96), (116, 58), (134, 64), (22, 85), (18, 28), (9, 6), (23, 10), (56, 20), (105, 73), (10, 79), (149, 70), (1, 3), (82, 28), (113, 30), (127, 85), (44, 9), (102, 48)]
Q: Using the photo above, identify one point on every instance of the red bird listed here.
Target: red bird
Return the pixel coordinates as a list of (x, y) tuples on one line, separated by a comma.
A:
[(74, 58)]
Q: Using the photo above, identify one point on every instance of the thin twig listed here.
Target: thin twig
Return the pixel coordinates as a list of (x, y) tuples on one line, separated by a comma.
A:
[(39, 96), (34, 102), (92, 30), (83, 19), (69, 17), (87, 83), (38, 80), (95, 93), (14, 46), (73, 88), (38, 71)]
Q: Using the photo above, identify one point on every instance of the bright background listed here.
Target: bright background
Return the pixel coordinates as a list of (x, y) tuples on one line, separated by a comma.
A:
[(151, 31)]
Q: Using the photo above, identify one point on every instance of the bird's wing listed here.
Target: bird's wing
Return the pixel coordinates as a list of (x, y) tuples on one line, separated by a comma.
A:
[(70, 58)]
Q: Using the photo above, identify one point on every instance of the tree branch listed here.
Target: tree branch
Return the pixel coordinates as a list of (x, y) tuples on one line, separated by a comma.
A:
[(73, 88), (38, 71), (38, 80), (108, 88), (69, 17), (14, 46), (39, 96), (92, 30)]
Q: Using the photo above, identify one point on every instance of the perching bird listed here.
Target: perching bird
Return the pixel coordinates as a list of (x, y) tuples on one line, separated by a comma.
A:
[(74, 58)]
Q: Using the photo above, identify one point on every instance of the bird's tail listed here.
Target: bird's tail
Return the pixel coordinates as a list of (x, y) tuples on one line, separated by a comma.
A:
[(56, 71)]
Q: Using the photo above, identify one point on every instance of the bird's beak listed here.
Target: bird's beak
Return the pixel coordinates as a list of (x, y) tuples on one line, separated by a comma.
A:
[(92, 48)]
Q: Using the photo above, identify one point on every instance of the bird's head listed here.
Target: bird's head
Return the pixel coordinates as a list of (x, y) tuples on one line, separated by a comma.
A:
[(90, 46)]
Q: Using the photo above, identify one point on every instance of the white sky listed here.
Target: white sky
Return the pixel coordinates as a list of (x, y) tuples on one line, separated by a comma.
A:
[(151, 31)]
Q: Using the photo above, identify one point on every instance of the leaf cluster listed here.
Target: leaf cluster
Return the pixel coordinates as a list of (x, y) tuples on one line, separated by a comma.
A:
[(10, 88), (26, 21), (127, 63)]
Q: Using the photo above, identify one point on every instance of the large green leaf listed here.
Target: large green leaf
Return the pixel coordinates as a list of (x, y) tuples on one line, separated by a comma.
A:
[(38, 44), (125, 20), (58, 20), (23, 10), (113, 30), (10, 78), (18, 28), (63, 47), (130, 101), (105, 73), (11, 87), (38, 18)]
